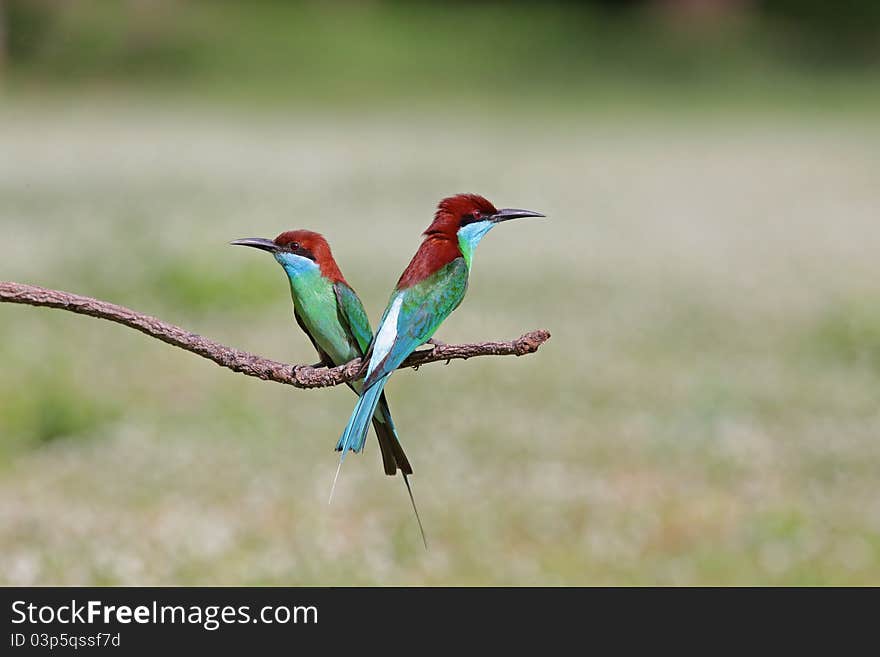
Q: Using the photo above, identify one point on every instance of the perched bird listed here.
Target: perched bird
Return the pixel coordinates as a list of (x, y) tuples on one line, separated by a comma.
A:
[(431, 287), (331, 314)]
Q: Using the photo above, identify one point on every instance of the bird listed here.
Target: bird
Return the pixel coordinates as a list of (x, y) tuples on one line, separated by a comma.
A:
[(331, 314), (430, 288)]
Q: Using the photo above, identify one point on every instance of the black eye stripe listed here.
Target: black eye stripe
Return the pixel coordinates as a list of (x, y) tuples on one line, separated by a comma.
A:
[(471, 218), (298, 249), (304, 252)]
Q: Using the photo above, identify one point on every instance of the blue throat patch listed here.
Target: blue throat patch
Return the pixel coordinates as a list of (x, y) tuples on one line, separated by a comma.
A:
[(296, 265), (469, 236)]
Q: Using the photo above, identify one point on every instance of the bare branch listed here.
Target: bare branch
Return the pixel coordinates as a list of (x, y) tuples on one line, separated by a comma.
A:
[(299, 376)]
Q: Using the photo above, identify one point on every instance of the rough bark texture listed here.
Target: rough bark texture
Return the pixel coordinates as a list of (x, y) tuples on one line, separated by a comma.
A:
[(299, 376)]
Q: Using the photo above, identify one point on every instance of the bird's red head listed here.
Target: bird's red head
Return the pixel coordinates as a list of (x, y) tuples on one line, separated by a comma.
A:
[(313, 246), (456, 211), (303, 243), (441, 244)]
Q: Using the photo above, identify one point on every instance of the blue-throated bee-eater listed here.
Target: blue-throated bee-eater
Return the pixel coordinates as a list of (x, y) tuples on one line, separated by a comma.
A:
[(430, 288)]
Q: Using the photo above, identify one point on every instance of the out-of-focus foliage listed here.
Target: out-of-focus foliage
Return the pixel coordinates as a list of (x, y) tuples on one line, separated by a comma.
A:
[(841, 32), (464, 52)]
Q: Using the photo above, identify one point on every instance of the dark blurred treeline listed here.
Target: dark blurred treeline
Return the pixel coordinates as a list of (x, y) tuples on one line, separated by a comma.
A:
[(273, 48)]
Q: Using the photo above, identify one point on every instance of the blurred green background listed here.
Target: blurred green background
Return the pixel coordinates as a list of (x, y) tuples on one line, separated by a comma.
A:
[(705, 413)]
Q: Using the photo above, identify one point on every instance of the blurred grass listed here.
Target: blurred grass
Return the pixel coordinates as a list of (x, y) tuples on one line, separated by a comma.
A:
[(706, 411), (849, 334)]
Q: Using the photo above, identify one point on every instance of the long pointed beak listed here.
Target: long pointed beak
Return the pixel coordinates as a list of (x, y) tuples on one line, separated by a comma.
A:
[(257, 243), (512, 213)]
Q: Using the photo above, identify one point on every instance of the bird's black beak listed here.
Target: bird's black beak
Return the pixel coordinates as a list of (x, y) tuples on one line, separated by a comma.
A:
[(512, 213), (257, 243)]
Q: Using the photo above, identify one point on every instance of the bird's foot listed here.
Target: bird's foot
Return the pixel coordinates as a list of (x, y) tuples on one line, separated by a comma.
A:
[(437, 343), (434, 344)]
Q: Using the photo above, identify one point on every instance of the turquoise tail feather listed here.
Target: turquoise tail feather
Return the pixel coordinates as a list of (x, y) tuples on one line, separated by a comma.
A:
[(355, 433)]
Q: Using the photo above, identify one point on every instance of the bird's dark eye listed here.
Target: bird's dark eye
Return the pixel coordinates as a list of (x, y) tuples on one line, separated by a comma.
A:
[(293, 246)]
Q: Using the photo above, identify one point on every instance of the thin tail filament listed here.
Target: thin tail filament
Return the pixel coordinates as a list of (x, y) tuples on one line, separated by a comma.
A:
[(415, 509)]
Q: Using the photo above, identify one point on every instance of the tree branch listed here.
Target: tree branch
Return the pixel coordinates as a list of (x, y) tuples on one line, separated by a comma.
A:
[(299, 376)]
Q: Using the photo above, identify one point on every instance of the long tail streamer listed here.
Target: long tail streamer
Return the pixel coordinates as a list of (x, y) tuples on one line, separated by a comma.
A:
[(412, 499), (336, 478)]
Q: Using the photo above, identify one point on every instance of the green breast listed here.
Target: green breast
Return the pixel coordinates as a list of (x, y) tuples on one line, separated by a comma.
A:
[(315, 303)]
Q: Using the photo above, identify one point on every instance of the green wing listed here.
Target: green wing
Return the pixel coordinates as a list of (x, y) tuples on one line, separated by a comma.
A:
[(353, 316), (423, 308)]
